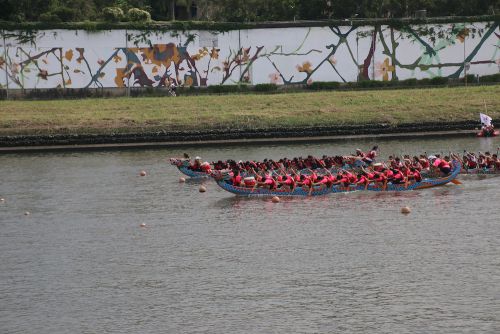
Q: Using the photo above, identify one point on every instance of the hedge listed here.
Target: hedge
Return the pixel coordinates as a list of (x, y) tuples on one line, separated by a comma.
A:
[(227, 26)]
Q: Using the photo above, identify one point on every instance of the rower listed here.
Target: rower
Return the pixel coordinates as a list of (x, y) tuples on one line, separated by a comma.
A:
[(196, 165), (370, 156), (236, 180)]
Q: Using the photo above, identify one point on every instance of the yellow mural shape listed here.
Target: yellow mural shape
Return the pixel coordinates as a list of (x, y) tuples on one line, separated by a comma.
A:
[(69, 54), (383, 69)]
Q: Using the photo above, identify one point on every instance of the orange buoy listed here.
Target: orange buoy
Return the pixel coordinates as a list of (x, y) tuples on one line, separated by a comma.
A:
[(142, 173), (182, 180), (275, 199), (405, 210), (203, 189), (143, 225)]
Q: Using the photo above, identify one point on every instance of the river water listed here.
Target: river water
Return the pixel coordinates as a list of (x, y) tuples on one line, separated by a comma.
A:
[(214, 263)]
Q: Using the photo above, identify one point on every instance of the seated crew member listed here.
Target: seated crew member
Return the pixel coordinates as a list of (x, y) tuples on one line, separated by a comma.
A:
[(416, 174), (205, 167), (397, 177), (442, 165), (196, 165), (270, 182), (363, 179), (370, 156), (236, 179), (289, 182)]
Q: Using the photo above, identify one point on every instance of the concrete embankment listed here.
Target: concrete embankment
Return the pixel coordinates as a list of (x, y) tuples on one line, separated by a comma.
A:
[(24, 143)]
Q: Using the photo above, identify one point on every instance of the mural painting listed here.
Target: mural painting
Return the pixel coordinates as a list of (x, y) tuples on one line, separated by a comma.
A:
[(284, 56)]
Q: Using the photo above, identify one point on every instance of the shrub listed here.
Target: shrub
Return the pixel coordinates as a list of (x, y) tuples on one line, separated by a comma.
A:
[(424, 82), (471, 78), (490, 78), (49, 17), (66, 14), (319, 85), (138, 15), (112, 14), (373, 83), (408, 82), (221, 89), (265, 88), (438, 81), (17, 17)]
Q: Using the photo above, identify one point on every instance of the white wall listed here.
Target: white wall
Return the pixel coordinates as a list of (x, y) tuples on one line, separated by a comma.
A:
[(78, 59)]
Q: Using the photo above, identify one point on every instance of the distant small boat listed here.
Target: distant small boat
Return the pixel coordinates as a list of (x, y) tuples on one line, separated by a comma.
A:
[(491, 133)]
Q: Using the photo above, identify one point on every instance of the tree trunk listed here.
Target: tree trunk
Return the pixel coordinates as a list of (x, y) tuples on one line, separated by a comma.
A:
[(172, 10)]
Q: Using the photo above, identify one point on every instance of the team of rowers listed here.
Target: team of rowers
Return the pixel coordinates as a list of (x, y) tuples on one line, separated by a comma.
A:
[(359, 169), (482, 160)]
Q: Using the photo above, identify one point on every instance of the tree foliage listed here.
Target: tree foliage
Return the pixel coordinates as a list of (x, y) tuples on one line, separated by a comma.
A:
[(242, 10)]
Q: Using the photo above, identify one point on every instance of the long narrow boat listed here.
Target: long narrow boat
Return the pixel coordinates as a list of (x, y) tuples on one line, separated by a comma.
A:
[(183, 167), (480, 171), (224, 183)]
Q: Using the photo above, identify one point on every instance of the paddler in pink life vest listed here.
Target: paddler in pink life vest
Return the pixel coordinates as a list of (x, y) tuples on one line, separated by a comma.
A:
[(270, 182), (363, 179), (369, 157), (415, 175), (442, 165), (237, 180), (205, 167), (322, 181), (288, 182), (196, 165)]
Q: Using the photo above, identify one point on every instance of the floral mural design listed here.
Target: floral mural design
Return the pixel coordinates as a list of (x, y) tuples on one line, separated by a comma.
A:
[(383, 69), (333, 53)]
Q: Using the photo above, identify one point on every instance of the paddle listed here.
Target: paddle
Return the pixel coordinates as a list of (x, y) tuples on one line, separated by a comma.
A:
[(455, 181)]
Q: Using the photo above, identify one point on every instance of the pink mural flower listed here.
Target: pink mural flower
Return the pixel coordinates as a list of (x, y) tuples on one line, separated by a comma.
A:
[(383, 69), (14, 68), (309, 82), (332, 60), (275, 78)]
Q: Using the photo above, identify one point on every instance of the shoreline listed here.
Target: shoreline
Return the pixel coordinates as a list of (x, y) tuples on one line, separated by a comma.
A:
[(162, 139)]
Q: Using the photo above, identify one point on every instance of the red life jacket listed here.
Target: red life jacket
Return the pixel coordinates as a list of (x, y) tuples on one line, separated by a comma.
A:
[(443, 164), (236, 180)]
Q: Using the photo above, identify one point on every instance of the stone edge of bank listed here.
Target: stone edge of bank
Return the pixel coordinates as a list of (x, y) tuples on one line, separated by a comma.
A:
[(23, 143)]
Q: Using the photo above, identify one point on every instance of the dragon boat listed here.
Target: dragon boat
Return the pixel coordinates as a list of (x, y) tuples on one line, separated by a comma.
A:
[(183, 166), (480, 171), (223, 181)]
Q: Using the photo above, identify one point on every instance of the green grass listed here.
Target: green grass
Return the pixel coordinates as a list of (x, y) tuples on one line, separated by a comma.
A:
[(248, 111)]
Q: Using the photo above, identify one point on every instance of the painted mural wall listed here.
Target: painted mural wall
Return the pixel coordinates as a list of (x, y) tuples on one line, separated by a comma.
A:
[(119, 58)]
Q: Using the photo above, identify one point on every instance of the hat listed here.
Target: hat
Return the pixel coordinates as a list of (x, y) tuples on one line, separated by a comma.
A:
[(197, 158), (431, 157)]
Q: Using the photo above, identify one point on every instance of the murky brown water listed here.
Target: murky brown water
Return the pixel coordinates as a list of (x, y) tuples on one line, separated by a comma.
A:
[(214, 263)]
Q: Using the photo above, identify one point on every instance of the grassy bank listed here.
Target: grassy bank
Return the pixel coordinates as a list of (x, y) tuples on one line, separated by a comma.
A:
[(119, 115)]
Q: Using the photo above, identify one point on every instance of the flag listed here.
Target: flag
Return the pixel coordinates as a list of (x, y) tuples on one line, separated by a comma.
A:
[(485, 119)]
